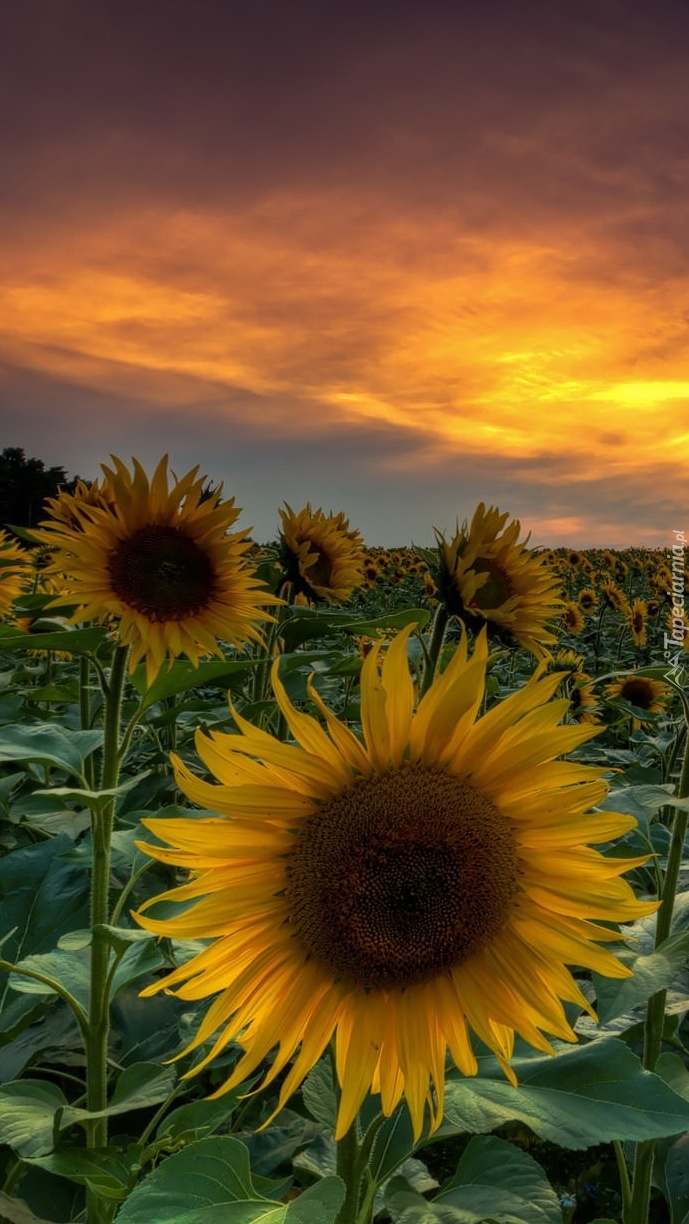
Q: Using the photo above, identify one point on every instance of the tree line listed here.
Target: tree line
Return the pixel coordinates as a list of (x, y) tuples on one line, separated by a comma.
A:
[(25, 483)]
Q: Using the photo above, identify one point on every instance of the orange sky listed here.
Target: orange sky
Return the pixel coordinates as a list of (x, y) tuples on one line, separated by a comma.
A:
[(408, 292)]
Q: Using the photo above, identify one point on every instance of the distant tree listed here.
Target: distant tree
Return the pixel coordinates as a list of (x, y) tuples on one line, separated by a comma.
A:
[(24, 486)]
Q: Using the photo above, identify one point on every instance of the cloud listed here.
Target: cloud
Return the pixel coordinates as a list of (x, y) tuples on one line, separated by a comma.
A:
[(335, 251)]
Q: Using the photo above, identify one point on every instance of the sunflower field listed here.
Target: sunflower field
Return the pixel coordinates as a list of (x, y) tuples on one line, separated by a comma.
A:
[(338, 884)]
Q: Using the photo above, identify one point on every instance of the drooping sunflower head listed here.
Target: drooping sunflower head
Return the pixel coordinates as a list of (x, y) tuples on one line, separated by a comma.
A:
[(486, 576), (614, 598), (587, 599), (323, 558), (397, 889), (572, 618), (637, 622), (16, 571), (641, 692), (155, 559)]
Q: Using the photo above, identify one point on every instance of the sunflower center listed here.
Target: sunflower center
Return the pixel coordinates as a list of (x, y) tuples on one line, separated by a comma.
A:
[(162, 573), (401, 877), (496, 590), (638, 692), (319, 572)]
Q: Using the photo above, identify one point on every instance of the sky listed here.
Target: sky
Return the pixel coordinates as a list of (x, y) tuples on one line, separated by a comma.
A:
[(388, 257)]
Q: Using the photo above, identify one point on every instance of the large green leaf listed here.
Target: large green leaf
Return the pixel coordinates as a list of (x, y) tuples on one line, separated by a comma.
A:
[(41, 897), (27, 1115), (211, 1180), (585, 1095), (498, 1179), (49, 744)]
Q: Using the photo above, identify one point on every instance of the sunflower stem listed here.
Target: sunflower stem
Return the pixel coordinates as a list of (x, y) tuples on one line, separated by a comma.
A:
[(655, 1015), (97, 1210), (348, 1169), (85, 714), (440, 622)]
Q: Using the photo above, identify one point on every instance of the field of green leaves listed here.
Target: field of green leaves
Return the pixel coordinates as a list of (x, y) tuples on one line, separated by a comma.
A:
[(371, 967)]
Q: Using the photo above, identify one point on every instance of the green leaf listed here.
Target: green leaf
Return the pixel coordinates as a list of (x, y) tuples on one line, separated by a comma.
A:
[(319, 1204), (16, 1211), (677, 1179), (643, 802), (182, 675), (49, 744), (201, 1118), (105, 1171), (66, 969), (91, 797), (272, 1150), (56, 1039), (27, 1114), (390, 621), (585, 1095), (41, 897), (497, 1178), (138, 1087), (406, 1206), (392, 1145), (318, 1095), (672, 1071), (76, 641), (652, 972), (206, 1181)]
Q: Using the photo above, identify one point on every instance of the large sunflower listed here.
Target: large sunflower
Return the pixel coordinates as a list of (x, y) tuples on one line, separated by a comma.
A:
[(396, 890), (487, 576), (322, 557), (158, 561)]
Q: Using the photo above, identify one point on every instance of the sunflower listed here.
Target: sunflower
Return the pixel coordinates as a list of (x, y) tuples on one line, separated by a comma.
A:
[(323, 559), (641, 692), (637, 622), (15, 571), (396, 890), (65, 507), (486, 576), (577, 686), (587, 599), (156, 561), (614, 597), (568, 660), (572, 618)]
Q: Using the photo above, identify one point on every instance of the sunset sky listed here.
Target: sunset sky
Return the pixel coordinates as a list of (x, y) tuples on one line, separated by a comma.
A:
[(391, 257)]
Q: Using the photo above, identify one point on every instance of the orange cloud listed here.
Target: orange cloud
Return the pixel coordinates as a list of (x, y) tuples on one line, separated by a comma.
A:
[(472, 344)]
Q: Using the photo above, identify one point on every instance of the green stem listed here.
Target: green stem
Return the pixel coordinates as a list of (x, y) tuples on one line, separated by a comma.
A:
[(85, 715), (440, 622), (655, 1015), (623, 1171), (348, 1170), (97, 1210)]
